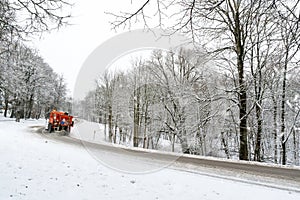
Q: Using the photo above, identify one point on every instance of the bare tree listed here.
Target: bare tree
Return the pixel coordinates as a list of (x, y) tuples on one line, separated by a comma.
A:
[(227, 28), (179, 84), (19, 20), (25, 17), (229, 20), (289, 22)]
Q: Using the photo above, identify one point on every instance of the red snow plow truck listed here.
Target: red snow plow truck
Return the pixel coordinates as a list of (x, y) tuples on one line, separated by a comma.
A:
[(60, 121)]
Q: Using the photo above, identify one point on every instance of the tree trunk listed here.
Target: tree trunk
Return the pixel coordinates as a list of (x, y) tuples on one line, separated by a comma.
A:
[(257, 151), (136, 120), (243, 153), (225, 144), (124, 135), (173, 142), (283, 99), (105, 125), (295, 143), (110, 124), (12, 114), (115, 133), (120, 137), (275, 128), (5, 106), (30, 106), (184, 144), (145, 125)]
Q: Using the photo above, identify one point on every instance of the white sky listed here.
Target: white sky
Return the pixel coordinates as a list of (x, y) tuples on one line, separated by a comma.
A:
[(68, 49), (65, 50)]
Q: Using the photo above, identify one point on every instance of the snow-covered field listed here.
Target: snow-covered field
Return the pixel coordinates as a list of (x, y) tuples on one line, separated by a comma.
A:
[(34, 167)]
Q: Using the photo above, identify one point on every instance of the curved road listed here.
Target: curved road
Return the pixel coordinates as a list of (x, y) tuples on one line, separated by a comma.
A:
[(256, 173)]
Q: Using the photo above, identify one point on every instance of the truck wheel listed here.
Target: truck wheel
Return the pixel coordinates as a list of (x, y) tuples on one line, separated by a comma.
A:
[(49, 128), (67, 130)]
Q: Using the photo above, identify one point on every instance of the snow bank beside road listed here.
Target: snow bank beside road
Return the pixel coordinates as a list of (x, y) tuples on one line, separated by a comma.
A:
[(33, 167), (94, 132)]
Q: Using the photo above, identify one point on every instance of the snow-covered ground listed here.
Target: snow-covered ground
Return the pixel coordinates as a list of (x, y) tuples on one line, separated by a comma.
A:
[(34, 167), (94, 132)]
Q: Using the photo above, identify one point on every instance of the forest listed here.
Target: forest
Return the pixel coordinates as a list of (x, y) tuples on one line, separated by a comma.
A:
[(29, 87), (235, 95)]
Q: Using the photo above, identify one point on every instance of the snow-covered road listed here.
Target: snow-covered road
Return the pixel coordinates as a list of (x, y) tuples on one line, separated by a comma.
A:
[(34, 167)]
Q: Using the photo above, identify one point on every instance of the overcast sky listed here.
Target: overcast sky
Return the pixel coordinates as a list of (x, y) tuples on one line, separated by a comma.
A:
[(65, 50)]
